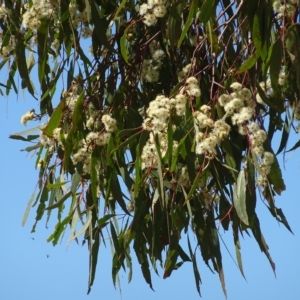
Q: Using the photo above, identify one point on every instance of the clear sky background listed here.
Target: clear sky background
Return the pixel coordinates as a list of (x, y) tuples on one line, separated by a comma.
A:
[(33, 269)]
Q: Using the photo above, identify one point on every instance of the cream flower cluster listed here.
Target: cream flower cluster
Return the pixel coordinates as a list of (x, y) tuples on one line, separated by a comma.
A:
[(27, 117), (265, 168), (239, 106), (285, 8), (189, 91), (156, 121), (186, 70), (215, 132), (71, 96), (157, 117), (39, 10), (152, 10), (151, 67)]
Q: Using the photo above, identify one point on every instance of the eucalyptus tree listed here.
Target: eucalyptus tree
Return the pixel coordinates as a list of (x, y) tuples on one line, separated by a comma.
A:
[(155, 121)]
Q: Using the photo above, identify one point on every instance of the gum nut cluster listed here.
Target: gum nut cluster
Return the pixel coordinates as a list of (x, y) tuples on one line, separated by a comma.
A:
[(151, 67), (152, 10), (156, 121), (285, 8), (267, 87), (39, 10), (27, 117)]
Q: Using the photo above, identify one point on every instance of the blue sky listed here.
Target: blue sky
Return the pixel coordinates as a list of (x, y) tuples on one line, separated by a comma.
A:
[(28, 273)]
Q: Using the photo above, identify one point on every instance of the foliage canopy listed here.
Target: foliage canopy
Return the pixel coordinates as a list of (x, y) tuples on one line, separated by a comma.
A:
[(164, 130)]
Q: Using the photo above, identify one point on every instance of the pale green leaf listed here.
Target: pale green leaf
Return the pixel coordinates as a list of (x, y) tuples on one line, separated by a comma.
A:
[(239, 197)]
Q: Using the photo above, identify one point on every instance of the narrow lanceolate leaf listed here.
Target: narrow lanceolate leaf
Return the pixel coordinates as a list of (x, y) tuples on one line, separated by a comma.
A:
[(77, 117), (285, 135), (195, 267), (75, 220), (55, 119), (239, 197), (297, 145), (60, 201), (75, 181), (119, 9), (261, 241), (275, 63), (93, 260), (206, 10), (84, 227), (283, 219), (55, 185), (238, 254), (249, 63), (192, 13), (160, 176), (27, 209), (123, 45)]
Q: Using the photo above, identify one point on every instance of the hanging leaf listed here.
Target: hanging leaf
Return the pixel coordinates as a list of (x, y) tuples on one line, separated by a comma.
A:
[(55, 119), (84, 228), (239, 197), (27, 210)]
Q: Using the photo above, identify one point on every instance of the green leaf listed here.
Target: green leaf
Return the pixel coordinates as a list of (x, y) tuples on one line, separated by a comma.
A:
[(170, 263), (77, 116), (55, 185), (238, 253), (249, 63), (75, 219), (21, 138), (55, 119), (75, 181), (123, 41), (283, 219), (239, 197), (195, 267), (275, 177), (275, 63), (206, 10), (22, 65), (60, 201), (93, 173), (27, 210), (103, 221), (93, 260), (59, 229), (256, 34), (174, 22), (84, 227), (43, 197), (192, 13), (159, 170), (121, 6), (261, 241), (101, 25), (297, 145), (285, 135)]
